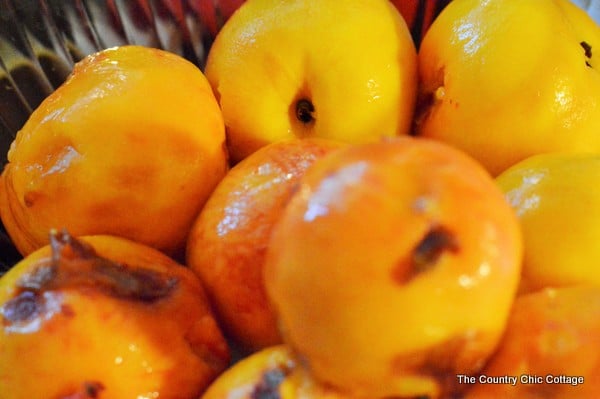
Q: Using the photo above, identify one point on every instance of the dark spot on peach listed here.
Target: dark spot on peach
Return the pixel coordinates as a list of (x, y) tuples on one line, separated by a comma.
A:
[(30, 198), (587, 48), (461, 354), (425, 255), (88, 390), (268, 387), (92, 388), (436, 241), (75, 264), (23, 307), (139, 284)]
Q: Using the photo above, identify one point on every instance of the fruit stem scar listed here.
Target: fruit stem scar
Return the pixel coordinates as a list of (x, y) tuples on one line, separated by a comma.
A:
[(437, 241), (304, 111), (425, 254)]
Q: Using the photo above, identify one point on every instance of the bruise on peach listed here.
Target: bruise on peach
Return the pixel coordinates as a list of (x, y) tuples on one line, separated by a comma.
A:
[(23, 307), (75, 264)]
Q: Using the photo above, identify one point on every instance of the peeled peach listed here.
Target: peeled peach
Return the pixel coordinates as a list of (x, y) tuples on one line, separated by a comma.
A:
[(551, 348), (272, 372), (104, 317), (131, 145), (393, 268), (227, 243)]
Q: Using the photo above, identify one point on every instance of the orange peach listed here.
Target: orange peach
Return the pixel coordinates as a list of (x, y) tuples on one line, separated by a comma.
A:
[(104, 317), (227, 243), (393, 268), (131, 145), (551, 347)]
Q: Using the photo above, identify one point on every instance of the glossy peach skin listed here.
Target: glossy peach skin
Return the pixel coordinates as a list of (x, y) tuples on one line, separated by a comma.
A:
[(227, 243), (552, 332), (393, 268), (558, 205), (107, 318), (131, 145), (504, 80), (272, 372), (340, 70)]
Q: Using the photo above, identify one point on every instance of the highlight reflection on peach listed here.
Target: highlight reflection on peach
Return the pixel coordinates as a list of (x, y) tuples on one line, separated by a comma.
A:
[(132, 144), (374, 254), (227, 244)]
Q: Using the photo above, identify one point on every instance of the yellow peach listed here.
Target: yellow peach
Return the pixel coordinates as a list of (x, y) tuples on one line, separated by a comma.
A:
[(504, 80), (558, 206), (340, 70)]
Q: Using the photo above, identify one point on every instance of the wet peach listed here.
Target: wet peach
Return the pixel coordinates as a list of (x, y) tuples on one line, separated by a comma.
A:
[(393, 267), (104, 317), (227, 243), (131, 145)]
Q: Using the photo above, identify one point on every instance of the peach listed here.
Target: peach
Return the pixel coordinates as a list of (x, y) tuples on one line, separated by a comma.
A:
[(131, 145), (551, 346), (228, 241), (105, 317), (393, 268)]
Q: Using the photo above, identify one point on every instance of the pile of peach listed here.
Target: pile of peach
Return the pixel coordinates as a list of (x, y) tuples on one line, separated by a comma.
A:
[(325, 211)]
